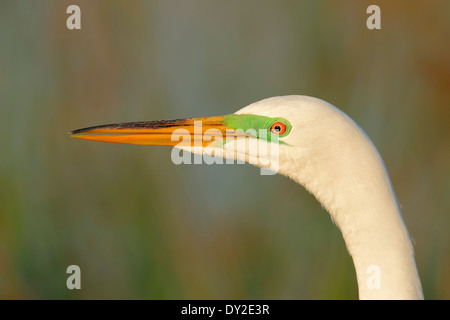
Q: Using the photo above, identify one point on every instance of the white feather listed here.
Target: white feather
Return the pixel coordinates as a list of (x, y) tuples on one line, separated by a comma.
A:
[(333, 158)]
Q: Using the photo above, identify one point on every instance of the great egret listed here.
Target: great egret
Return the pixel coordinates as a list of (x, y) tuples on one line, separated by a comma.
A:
[(324, 150)]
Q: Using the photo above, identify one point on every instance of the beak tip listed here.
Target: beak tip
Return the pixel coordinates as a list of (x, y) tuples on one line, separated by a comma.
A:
[(75, 131), (72, 134)]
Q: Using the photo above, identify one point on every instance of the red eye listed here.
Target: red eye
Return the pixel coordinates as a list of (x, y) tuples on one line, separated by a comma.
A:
[(278, 128)]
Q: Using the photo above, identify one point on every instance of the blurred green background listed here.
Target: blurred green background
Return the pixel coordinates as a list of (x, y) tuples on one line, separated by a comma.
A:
[(141, 227)]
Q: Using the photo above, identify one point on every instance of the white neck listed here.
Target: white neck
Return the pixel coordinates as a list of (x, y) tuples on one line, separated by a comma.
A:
[(352, 183)]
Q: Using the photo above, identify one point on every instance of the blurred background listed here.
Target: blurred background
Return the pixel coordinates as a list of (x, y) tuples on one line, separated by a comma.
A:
[(141, 227)]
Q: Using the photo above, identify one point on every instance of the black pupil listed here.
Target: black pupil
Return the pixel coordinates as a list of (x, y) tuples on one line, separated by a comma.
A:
[(277, 128)]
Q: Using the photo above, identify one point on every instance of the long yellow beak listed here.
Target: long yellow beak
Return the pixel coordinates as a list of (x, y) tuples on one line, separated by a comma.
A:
[(181, 132)]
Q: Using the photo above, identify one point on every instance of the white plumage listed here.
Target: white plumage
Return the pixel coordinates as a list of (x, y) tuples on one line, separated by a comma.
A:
[(333, 158), (326, 152)]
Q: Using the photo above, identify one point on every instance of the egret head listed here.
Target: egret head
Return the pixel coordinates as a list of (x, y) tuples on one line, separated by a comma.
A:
[(254, 134), (274, 133)]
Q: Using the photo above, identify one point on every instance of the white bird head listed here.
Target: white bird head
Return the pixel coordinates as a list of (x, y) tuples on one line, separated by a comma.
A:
[(287, 127)]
